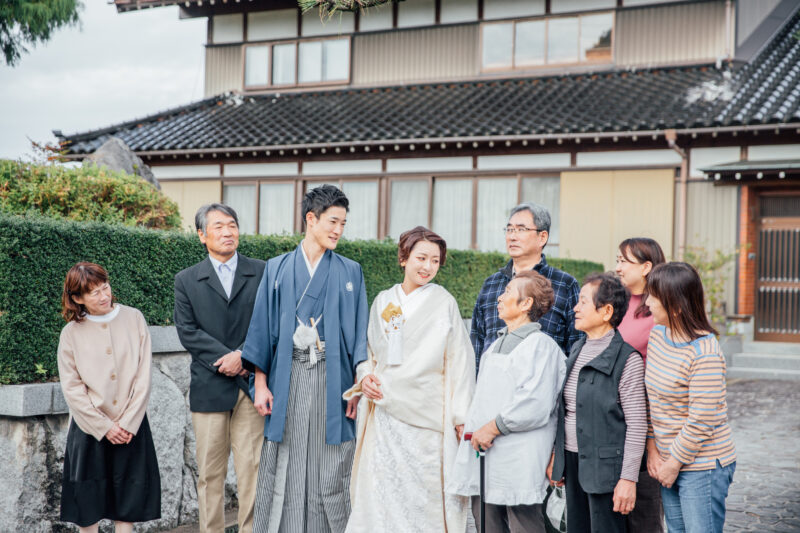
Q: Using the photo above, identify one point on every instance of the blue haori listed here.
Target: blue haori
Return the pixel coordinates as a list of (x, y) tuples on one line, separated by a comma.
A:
[(337, 292)]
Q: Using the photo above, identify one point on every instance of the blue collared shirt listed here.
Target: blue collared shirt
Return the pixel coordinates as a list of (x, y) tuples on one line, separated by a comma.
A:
[(558, 323), (225, 271)]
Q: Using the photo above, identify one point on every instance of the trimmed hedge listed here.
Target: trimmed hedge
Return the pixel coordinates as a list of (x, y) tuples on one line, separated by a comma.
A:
[(36, 252)]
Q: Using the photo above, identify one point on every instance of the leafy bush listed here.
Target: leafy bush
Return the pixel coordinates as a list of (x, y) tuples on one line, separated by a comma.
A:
[(84, 193), (36, 252)]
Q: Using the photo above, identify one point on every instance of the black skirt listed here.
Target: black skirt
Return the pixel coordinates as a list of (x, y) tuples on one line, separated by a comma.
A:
[(114, 481)]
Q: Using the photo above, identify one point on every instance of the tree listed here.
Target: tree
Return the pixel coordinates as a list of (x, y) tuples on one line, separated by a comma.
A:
[(32, 21)]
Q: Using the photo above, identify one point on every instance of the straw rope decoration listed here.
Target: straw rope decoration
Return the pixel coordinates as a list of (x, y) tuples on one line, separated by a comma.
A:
[(328, 8)]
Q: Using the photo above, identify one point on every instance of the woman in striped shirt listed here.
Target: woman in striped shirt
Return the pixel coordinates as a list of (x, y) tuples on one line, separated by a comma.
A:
[(689, 448)]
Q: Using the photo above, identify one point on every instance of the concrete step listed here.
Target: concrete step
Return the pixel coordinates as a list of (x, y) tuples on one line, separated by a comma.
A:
[(762, 373), (790, 348), (766, 361)]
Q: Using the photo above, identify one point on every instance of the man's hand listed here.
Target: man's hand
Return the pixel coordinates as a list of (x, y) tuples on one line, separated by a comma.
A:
[(459, 432), (669, 471), (263, 398), (117, 435), (230, 364), (483, 437), (624, 496), (371, 387), (352, 407)]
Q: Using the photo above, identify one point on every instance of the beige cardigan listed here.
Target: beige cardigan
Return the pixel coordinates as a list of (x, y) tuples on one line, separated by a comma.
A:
[(105, 372)]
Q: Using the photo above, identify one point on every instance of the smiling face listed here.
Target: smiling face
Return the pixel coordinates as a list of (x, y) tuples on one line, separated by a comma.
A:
[(328, 228), (221, 236), (422, 263), (527, 241), (632, 274), (509, 306), (98, 301), (587, 316)]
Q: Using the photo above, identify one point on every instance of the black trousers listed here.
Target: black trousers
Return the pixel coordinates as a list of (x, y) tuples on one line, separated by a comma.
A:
[(588, 513), (647, 515)]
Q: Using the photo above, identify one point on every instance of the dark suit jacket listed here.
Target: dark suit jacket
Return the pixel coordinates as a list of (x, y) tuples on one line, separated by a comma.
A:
[(211, 325)]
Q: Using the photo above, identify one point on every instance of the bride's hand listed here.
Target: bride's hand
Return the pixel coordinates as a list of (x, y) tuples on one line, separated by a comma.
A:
[(370, 386)]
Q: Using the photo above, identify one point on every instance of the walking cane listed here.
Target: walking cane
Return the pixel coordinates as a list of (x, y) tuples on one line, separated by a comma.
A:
[(481, 454)]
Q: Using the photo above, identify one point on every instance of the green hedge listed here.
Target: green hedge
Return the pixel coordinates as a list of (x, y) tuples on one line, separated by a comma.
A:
[(36, 252)]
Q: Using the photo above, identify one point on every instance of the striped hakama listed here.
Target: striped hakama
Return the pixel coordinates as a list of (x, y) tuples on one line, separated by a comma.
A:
[(303, 483)]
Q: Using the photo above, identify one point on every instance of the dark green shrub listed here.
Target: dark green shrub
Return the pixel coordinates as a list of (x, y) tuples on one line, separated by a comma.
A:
[(36, 252), (84, 193)]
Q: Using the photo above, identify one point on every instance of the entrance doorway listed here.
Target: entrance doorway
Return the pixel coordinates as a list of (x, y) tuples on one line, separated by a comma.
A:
[(777, 316)]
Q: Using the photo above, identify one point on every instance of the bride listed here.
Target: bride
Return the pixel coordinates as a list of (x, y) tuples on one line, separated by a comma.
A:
[(418, 382)]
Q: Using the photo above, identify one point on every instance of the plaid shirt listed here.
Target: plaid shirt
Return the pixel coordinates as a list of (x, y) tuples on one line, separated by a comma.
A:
[(559, 322)]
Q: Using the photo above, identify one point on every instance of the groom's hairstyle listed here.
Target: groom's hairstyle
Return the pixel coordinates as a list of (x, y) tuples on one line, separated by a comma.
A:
[(319, 199)]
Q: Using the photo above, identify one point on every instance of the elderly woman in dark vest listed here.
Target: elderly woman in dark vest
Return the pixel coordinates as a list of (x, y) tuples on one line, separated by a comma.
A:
[(602, 414)]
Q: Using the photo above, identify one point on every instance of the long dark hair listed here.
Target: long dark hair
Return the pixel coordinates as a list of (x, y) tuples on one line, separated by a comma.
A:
[(642, 250), (679, 289)]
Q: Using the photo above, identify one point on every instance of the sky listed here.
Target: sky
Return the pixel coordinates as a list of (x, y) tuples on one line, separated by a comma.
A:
[(111, 68)]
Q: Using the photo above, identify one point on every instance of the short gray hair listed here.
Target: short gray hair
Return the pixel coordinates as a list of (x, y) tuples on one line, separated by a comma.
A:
[(540, 214), (201, 217)]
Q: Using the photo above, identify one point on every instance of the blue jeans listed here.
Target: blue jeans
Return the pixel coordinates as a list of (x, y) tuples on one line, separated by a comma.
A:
[(696, 501)]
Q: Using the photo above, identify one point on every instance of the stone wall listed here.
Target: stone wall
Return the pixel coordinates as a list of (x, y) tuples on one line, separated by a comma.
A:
[(33, 429)]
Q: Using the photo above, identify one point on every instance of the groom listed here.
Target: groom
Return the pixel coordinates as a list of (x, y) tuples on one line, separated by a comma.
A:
[(306, 337)]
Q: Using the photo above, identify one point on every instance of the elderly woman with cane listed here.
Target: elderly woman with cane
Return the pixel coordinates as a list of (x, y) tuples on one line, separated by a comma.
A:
[(110, 465), (513, 415)]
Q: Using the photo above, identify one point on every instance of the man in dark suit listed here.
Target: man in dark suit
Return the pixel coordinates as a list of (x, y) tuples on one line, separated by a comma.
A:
[(213, 304)]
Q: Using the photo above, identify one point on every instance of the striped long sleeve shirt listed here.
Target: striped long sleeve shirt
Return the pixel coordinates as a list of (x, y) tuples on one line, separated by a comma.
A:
[(688, 407)]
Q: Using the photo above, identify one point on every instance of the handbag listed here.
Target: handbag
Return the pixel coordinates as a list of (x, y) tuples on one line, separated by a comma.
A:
[(555, 510)]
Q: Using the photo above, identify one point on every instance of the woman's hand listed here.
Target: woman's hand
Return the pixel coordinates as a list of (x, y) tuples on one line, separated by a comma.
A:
[(654, 460), (483, 437), (263, 400), (117, 435), (624, 496), (668, 472), (459, 432), (371, 387), (549, 472)]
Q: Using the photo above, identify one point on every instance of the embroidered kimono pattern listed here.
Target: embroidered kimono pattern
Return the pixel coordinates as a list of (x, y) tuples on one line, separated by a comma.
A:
[(407, 440)]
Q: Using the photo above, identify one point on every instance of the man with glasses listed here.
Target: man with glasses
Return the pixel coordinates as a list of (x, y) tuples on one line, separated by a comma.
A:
[(527, 232)]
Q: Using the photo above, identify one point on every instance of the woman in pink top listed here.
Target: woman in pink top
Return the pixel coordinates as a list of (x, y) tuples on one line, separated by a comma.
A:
[(636, 258)]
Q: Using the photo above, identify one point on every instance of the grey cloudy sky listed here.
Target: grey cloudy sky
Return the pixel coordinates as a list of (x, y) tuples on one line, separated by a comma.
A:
[(112, 68)]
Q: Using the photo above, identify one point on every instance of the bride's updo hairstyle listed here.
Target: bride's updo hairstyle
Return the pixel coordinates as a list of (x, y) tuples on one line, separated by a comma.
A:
[(410, 238)]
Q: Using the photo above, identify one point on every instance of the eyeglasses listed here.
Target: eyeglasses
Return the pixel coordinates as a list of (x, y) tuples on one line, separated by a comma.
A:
[(522, 230)]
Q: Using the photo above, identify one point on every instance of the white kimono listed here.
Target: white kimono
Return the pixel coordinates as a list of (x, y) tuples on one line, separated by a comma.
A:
[(522, 387), (406, 441)]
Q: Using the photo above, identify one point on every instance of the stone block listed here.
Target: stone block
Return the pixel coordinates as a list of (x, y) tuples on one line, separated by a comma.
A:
[(164, 339), (31, 399)]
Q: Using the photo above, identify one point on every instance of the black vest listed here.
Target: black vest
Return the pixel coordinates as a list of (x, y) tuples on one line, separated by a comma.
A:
[(600, 422)]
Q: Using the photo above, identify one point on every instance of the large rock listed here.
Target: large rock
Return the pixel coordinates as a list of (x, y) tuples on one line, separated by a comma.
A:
[(116, 155), (167, 415)]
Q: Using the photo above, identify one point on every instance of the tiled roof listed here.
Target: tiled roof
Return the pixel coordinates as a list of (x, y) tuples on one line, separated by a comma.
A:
[(765, 91)]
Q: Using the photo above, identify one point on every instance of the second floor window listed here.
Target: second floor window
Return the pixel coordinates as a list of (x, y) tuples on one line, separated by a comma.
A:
[(297, 63), (554, 41)]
